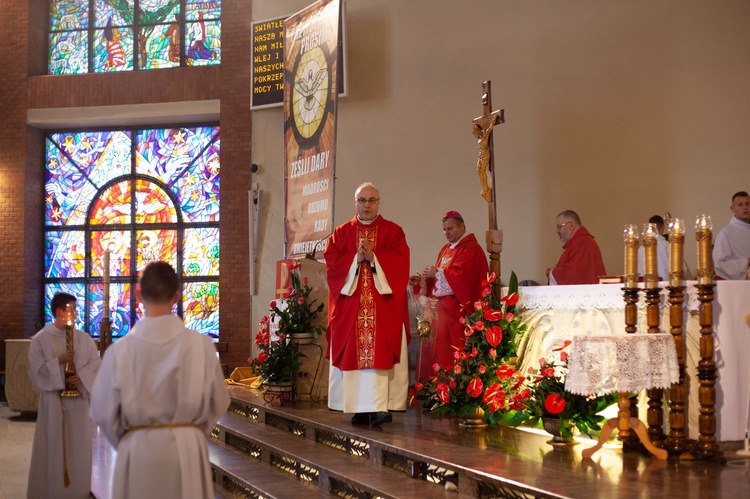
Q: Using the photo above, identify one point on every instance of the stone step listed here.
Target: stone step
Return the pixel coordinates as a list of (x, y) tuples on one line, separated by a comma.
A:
[(240, 475), (334, 471)]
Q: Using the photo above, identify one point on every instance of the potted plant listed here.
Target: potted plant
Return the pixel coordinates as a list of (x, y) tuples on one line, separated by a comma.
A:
[(293, 316), (479, 386), (559, 411)]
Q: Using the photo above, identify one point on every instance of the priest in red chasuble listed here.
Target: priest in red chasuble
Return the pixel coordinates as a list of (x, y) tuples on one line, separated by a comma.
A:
[(581, 261), (367, 268), (456, 281)]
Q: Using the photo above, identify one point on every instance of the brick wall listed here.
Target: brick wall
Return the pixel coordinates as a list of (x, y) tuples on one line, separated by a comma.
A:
[(25, 86)]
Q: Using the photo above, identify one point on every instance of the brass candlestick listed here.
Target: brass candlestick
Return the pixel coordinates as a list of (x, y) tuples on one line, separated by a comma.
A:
[(630, 295), (70, 366)]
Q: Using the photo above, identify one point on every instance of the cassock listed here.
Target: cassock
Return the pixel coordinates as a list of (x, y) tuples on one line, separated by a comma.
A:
[(581, 261), (462, 266), (159, 393), (57, 414), (368, 318), (732, 249)]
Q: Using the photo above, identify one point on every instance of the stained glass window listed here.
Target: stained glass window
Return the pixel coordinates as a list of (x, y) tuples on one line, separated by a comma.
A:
[(101, 36), (143, 195)]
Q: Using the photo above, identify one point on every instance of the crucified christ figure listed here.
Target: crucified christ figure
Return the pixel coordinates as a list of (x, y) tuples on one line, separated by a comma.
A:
[(484, 134)]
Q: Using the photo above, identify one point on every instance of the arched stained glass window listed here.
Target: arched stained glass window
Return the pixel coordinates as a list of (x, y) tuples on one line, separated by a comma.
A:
[(143, 195), (101, 36)]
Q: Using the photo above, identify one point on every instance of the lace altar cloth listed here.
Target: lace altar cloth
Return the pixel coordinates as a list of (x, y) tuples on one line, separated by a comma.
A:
[(602, 364)]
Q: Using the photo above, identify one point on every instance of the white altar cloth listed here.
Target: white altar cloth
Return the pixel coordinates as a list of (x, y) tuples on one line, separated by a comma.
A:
[(554, 314)]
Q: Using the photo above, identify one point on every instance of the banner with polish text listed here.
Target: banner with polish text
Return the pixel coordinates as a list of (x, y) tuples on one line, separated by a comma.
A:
[(311, 43)]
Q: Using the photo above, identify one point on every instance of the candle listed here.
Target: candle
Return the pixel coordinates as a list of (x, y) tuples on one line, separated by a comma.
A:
[(703, 237), (630, 236), (676, 251), (650, 271), (105, 266)]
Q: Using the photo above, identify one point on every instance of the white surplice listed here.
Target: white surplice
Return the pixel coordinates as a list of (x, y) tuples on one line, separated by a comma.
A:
[(46, 372), (161, 373), (732, 249)]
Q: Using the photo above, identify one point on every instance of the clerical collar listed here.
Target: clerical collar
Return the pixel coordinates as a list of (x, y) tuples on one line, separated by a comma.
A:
[(367, 222), (453, 245)]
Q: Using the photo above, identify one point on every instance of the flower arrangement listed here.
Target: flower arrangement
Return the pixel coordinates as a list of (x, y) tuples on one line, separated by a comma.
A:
[(547, 398), (479, 378), (278, 359)]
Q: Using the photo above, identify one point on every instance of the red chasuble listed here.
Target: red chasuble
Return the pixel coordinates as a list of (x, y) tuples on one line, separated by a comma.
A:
[(365, 329), (581, 261), (464, 267)]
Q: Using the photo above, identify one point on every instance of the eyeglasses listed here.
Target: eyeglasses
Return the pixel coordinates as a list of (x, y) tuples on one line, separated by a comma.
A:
[(368, 200), (560, 226)]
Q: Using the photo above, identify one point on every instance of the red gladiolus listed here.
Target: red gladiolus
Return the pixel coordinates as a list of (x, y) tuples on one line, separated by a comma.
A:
[(475, 387), (554, 403), (494, 335), (493, 315), (443, 392)]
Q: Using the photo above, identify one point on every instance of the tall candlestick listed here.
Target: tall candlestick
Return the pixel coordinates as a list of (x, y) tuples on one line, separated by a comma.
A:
[(676, 251), (650, 271), (69, 369), (630, 236), (703, 237)]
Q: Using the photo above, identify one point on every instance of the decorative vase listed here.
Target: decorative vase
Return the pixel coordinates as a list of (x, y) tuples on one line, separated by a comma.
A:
[(554, 427), (474, 419), (278, 391), (301, 338)]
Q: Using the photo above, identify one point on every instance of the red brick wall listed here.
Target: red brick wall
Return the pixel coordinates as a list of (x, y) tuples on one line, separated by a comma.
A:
[(21, 157)]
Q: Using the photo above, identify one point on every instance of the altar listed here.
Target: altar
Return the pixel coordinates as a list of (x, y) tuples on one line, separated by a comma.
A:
[(554, 314)]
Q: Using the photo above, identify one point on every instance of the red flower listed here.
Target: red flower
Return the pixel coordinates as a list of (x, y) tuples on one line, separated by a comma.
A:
[(509, 317), (452, 383), (457, 369), (486, 291), (494, 335), (443, 393), (493, 353), (504, 372), (478, 325), (548, 372), (301, 300), (272, 304), (475, 387), (418, 386), (493, 315), (262, 357), (482, 369), (468, 331), (510, 300), (436, 367), (554, 403), (564, 356), (494, 396)]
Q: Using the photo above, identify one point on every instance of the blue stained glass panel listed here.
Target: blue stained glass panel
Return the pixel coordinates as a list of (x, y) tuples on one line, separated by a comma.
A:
[(69, 15), (161, 48), (65, 254), (203, 43), (67, 190), (200, 253), (74, 288), (200, 305), (114, 13), (113, 50), (119, 309), (201, 9), (68, 52)]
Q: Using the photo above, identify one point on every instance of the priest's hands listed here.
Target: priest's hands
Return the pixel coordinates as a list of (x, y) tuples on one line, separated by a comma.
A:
[(364, 251), (66, 356), (430, 271)]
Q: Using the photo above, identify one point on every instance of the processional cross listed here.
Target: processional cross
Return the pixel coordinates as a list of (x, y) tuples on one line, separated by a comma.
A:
[(483, 126)]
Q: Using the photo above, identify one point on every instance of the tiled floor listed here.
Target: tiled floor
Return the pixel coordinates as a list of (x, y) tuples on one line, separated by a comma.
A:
[(16, 437)]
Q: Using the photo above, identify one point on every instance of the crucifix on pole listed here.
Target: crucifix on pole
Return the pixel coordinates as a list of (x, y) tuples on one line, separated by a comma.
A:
[(483, 126)]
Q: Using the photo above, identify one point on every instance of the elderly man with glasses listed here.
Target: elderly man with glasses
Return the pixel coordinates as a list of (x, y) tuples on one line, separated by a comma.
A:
[(581, 261), (367, 268)]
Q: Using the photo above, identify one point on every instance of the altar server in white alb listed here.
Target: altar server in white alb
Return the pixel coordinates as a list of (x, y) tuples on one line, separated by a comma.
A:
[(61, 456), (159, 393), (732, 246)]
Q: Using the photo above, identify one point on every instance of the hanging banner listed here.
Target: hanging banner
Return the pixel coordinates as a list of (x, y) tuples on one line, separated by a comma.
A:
[(311, 42)]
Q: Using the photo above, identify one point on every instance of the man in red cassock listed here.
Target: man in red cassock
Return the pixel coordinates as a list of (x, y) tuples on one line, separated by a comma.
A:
[(581, 261), (367, 268), (456, 281)]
